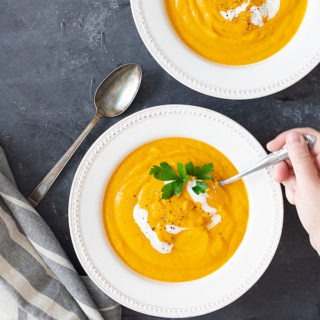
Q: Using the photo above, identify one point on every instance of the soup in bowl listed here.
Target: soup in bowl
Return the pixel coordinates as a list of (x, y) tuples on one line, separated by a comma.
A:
[(166, 216), (236, 32)]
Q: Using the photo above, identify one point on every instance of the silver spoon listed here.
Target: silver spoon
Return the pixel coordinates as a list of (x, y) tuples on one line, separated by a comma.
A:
[(113, 96), (270, 159)]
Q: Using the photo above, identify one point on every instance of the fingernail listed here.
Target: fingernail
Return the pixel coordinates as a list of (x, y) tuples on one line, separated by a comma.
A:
[(294, 138)]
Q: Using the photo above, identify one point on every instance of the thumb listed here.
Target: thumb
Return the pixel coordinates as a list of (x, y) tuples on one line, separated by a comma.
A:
[(302, 163)]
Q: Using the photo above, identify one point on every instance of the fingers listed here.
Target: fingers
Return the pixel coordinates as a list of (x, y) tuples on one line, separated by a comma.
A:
[(284, 174), (280, 140), (277, 143), (301, 160), (290, 188), (281, 171), (300, 177)]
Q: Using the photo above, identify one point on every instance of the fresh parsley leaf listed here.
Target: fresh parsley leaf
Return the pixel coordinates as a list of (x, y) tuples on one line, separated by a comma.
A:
[(172, 188), (182, 172), (201, 173), (190, 168), (167, 191), (163, 172), (200, 187), (178, 186), (176, 181)]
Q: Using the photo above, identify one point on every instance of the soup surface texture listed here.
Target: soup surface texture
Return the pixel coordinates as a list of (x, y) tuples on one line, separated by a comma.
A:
[(236, 32), (181, 238)]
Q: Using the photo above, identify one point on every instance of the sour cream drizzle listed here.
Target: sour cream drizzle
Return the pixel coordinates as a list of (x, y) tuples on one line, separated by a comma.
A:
[(140, 216), (234, 13), (202, 198), (268, 10), (171, 228)]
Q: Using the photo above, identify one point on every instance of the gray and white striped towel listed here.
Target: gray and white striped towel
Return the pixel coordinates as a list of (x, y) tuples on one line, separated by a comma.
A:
[(37, 281)]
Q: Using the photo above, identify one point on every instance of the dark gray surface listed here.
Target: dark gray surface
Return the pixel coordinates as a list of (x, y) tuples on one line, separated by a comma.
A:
[(53, 54)]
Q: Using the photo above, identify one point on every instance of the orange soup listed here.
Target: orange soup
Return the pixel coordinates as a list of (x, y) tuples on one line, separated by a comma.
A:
[(186, 236), (236, 32)]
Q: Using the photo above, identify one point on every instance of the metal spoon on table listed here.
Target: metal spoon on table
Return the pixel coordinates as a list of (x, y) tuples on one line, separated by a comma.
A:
[(113, 96), (270, 159)]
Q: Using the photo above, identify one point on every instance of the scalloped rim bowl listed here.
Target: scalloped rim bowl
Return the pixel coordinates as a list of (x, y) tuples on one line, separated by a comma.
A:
[(183, 299), (274, 74)]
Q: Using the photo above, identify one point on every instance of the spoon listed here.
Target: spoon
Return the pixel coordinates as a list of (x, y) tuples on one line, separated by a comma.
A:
[(113, 96), (270, 159)]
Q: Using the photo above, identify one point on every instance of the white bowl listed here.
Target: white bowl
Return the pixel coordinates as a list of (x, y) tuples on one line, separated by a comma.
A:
[(158, 298), (276, 73)]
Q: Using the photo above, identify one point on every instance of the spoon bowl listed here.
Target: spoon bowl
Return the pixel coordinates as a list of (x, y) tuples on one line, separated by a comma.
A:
[(117, 91), (113, 96)]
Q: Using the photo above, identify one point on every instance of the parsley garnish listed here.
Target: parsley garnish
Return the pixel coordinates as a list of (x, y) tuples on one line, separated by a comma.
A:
[(201, 173), (176, 181), (200, 187), (163, 172)]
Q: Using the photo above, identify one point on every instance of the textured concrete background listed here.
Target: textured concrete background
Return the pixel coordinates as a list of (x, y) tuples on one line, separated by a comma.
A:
[(53, 54)]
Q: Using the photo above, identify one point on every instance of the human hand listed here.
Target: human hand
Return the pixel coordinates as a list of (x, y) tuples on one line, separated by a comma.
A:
[(300, 177)]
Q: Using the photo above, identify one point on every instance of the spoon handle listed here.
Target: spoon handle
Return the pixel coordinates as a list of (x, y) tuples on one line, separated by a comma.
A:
[(43, 187), (270, 159)]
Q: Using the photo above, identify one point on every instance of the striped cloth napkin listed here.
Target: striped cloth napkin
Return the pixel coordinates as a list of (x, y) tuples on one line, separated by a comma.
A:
[(37, 281)]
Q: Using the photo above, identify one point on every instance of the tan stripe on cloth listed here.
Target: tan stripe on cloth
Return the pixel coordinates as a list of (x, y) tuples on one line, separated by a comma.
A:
[(30, 294)]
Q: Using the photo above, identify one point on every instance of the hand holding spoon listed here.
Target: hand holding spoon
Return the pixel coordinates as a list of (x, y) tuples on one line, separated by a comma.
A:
[(270, 159), (113, 96)]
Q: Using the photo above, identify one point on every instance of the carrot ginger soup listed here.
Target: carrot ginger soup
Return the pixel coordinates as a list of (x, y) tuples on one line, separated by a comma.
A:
[(165, 214), (236, 32)]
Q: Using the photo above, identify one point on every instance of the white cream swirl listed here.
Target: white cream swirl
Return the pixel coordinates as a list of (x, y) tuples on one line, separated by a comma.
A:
[(140, 216), (267, 10), (202, 198)]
